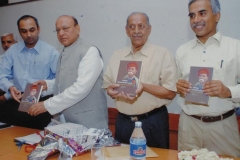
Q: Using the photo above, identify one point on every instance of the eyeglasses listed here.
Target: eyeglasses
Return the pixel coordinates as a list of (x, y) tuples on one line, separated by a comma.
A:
[(65, 29)]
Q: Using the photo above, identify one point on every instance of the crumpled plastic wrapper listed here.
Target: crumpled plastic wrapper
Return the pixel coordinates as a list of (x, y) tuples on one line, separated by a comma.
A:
[(66, 152), (47, 146), (70, 139), (78, 137), (107, 140)]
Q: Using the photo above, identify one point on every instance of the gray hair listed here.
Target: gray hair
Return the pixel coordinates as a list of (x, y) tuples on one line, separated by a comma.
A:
[(214, 3), (6, 34), (147, 18)]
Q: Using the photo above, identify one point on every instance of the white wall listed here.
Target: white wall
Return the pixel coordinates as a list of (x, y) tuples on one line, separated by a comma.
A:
[(103, 21)]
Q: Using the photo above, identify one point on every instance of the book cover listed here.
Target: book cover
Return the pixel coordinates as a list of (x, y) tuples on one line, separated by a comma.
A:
[(128, 76), (30, 96), (198, 77)]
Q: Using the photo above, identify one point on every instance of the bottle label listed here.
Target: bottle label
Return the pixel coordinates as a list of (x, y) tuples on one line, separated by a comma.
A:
[(138, 150)]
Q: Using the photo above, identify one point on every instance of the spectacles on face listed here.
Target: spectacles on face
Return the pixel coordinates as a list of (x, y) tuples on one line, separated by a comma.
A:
[(65, 29)]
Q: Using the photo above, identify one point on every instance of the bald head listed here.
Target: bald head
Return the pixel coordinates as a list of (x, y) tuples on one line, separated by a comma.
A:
[(7, 40), (67, 29)]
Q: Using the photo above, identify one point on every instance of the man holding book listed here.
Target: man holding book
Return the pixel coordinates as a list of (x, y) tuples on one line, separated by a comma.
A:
[(156, 85), (214, 127), (78, 96), (26, 62)]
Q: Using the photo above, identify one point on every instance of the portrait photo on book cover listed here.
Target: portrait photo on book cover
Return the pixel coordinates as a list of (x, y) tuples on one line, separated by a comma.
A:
[(32, 97), (202, 77), (128, 76), (198, 77), (129, 73)]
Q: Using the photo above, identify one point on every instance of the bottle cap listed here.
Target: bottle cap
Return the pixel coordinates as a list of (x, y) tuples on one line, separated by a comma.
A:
[(138, 124)]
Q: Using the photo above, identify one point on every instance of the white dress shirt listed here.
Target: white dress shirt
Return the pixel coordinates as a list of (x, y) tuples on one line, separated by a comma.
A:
[(89, 70), (223, 54)]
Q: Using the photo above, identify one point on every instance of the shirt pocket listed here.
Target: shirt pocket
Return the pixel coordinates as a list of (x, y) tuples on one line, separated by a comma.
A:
[(226, 71), (40, 70)]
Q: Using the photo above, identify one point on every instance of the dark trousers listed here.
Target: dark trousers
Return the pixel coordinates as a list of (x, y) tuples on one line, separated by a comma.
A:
[(9, 114), (2, 92), (155, 128)]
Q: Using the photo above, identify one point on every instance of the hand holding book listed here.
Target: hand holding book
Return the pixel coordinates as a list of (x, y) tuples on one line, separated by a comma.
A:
[(37, 109), (216, 88), (31, 96), (42, 83), (113, 92), (15, 93), (183, 87)]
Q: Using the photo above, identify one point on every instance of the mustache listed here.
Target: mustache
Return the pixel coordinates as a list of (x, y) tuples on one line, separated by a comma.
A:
[(198, 24), (137, 35)]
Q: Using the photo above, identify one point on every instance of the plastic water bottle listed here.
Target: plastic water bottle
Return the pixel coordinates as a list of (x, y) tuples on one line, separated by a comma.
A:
[(138, 143)]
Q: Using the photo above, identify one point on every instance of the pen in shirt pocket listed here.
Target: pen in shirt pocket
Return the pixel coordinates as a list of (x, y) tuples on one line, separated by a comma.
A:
[(221, 63)]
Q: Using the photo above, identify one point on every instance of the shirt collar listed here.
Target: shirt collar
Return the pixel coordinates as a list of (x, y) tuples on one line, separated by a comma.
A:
[(37, 47), (216, 37), (142, 51)]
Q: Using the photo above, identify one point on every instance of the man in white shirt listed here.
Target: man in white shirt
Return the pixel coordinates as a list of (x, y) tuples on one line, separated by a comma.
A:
[(77, 87), (7, 40), (214, 127)]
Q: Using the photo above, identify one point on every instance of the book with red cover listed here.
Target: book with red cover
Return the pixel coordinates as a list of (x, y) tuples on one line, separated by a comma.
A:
[(198, 77), (128, 76), (30, 96)]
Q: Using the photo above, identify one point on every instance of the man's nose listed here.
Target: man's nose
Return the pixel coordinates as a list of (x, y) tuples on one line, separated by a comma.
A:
[(60, 32), (136, 29), (197, 19), (29, 34)]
